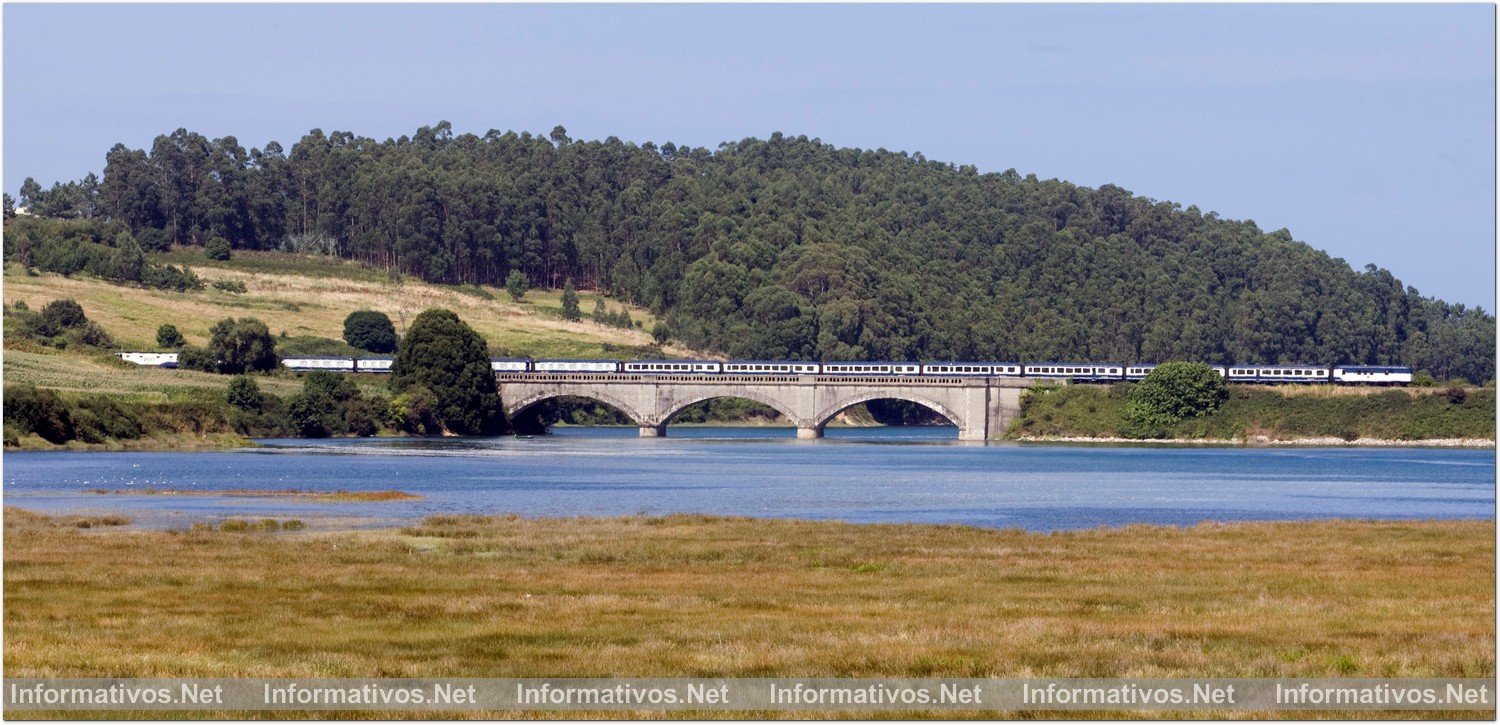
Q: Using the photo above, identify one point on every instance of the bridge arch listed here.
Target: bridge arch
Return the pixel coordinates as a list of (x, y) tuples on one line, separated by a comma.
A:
[(827, 414), (512, 410), (672, 407)]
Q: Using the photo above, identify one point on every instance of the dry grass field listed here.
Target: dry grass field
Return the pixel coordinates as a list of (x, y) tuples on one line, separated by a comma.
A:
[(696, 596), (310, 296)]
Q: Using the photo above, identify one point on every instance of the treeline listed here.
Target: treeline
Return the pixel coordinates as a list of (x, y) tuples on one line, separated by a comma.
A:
[(792, 248)]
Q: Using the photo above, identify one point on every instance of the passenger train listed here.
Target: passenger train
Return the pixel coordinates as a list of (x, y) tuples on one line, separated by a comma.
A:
[(1078, 372)]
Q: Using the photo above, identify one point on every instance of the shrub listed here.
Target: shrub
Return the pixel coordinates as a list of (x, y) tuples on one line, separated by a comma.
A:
[(370, 330), (169, 337), (1423, 379), (154, 240), (230, 285), (243, 345), (1173, 392), (33, 410), (570, 311), (660, 333), (244, 394), (1456, 395), (217, 249), (516, 284)]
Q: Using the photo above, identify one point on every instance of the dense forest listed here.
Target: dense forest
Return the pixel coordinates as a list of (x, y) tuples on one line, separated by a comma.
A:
[(792, 248)]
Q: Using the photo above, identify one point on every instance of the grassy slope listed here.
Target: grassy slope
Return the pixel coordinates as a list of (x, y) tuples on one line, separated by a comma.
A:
[(701, 596), (1275, 413), (311, 296)]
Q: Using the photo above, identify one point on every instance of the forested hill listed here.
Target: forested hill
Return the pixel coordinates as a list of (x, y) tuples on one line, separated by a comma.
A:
[(792, 248)]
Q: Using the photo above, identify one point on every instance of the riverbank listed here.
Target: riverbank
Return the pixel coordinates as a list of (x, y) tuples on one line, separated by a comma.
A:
[(1264, 441), (692, 595), (1274, 416)]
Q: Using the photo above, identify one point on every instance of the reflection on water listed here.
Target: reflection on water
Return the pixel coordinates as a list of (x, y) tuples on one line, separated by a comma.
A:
[(863, 475)]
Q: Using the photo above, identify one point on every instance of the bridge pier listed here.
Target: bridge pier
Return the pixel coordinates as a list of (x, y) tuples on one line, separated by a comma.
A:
[(653, 431), (810, 432)]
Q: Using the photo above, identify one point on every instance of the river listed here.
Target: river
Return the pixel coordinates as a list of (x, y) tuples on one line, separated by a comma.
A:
[(909, 475)]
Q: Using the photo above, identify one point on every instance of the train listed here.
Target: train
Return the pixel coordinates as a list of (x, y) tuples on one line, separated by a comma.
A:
[(1075, 372)]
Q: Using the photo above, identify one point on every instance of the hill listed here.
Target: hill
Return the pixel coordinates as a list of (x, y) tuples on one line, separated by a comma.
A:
[(792, 248), (310, 296)]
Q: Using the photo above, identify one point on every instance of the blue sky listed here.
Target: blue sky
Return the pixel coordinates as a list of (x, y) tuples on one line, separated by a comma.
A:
[(1368, 131)]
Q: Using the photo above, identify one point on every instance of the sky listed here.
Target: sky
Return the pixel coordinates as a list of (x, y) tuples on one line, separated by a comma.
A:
[(1368, 131)]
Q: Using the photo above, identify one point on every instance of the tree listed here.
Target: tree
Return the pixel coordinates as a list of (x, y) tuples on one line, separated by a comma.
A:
[(600, 314), (59, 315), (660, 333), (370, 330), (1173, 392), (570, 302), (516, 284), (168, 337), (449, 359), (217, 249), (244, 394), (240, 346), (10, 206)]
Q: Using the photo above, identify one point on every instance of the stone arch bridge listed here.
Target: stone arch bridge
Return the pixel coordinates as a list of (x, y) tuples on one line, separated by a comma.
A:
[(981, 407)]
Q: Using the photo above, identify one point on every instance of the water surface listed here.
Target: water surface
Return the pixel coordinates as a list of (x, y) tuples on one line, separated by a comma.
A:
[(861, 475)]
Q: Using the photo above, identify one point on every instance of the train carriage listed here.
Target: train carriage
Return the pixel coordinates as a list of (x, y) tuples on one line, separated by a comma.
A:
[(315, 363), (1279, 374), (1372, 374), (771, 367), (972, 368), (576, 366), (373, 364), (871, 368), (509, 364), (1139, 371), (1082, 372), (682, 367)]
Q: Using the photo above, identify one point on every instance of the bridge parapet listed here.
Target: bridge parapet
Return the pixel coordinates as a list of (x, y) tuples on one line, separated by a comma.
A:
[(981, 407)]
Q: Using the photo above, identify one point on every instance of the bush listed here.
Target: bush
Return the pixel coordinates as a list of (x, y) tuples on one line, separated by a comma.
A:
[(230, 285), (61, 323), (239, 346), (33, 410), (516, 284), (245, 395), (370, 330), (1173, 392), (570, 310), (660, 333), (169, 337), (1456, 395), (1423, 379), (154, 240), (217, 249)]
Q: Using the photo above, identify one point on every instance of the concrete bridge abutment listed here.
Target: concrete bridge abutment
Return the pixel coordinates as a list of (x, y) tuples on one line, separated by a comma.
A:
[(981, 408)]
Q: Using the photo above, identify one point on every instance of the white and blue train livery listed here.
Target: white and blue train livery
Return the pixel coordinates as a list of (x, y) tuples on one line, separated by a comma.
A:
[(1075, 371), (1008, 370), (1083, 372), (1278, 373), (576, 366), (683, 367), (770, 367), (871, 368), (1372, 374)]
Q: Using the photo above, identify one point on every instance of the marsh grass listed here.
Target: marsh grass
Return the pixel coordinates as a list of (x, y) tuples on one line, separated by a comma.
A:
[(699, 595), (694, 595)]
